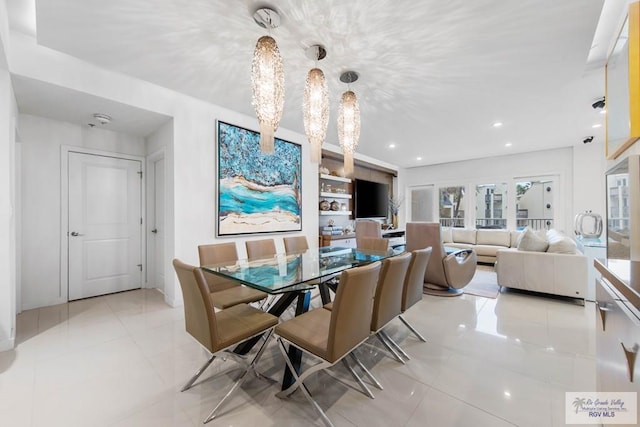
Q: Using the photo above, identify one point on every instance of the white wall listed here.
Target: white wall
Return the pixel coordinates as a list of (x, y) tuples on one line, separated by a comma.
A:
[(158, 144), (41, 142), (190, 160), (589, 167), (8, 114), (504, 169)]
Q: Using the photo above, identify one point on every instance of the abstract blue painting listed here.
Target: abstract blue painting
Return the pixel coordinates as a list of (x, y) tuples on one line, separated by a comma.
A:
[(257, 192)]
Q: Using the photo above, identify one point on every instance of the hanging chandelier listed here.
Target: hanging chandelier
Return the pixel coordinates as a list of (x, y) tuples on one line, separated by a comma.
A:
[(267, 80), (315, 107), (348, 122)]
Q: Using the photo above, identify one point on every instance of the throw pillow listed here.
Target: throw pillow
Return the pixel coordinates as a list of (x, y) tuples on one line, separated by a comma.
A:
[(559, 243), (530, 241)]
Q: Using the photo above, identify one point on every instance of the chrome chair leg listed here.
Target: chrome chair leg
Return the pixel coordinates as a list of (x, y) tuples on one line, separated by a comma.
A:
[(199, 372), (241, 379), (412, 329), (298, 381), (395, 345), (389, 348), (366, 371), (356, 377)]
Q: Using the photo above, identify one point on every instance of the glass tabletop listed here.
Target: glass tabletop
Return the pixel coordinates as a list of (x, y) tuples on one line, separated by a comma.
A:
[(293, 272)]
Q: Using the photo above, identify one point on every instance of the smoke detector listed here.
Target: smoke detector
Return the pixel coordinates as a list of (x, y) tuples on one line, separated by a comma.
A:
[(103, 119)]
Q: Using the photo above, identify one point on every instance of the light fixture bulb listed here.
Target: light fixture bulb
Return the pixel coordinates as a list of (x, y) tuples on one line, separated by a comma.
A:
[(267, 80), (315, 106), (349, 128)]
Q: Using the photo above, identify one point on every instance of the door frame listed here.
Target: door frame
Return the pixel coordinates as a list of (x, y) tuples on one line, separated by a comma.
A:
[(64, 209), (150, 204)]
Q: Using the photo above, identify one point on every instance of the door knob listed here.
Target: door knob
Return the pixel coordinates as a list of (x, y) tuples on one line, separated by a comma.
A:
[(155, 231), (76, 234)]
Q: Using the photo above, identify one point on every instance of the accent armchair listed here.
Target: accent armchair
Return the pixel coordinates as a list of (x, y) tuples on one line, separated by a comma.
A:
[(446, 273)]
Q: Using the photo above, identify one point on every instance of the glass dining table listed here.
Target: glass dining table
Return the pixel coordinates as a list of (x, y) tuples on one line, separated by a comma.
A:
[(292, 277)]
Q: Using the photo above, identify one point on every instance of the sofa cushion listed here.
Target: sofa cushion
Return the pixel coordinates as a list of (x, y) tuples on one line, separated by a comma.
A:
[(445, 233), (530, 241), (460, 245), (487, 250), (559, 243), (515, 236), (464, 235), (493, 237)]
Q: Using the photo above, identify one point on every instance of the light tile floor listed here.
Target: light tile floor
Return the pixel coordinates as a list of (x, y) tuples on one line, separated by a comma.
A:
[(120, 360)]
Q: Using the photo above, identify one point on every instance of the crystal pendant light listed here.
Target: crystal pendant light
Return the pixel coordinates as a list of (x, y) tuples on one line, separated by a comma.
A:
[(267, 79), (348, 122), (315, 107)]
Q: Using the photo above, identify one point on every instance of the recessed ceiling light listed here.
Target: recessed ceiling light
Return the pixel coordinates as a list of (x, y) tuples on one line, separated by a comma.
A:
[(392, 145), (507, 394), (603, 111), (418, 158), (508, 144), (597, 125), (497, 124)]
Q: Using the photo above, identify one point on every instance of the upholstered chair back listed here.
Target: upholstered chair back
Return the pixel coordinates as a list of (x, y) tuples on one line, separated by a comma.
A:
[(199, 315), (295, 244), (377, 244), (420, 235), (367, 228), (257, 249), (215, 254), (387, 302), (414, 281), (351, 314)]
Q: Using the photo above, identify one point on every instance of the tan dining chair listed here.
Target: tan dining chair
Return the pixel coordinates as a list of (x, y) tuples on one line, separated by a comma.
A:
[(295, 244), (331, 335), (387, 302), (367, 228), (412, 290), (219, 331), (258, 249), (377, 244), (224, 292)]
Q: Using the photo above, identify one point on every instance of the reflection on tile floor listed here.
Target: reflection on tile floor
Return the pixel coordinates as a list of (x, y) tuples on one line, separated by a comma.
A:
[(119, 360)]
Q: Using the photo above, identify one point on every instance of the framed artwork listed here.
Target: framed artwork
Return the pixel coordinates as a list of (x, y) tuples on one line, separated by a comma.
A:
[(257, 192)]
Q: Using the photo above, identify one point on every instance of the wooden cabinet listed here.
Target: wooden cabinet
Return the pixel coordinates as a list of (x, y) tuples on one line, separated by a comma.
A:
[(617, 341)]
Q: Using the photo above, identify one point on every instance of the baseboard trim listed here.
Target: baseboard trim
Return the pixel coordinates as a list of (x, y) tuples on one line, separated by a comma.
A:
[(7, 344)]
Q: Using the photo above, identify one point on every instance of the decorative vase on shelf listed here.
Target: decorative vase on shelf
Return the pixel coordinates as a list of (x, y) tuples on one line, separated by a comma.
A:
[(588, 225), (394, 221), (335, 206), (324, 205)]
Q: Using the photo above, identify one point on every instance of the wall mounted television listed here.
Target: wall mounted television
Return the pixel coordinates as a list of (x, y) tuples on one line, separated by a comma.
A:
[(371, 199)]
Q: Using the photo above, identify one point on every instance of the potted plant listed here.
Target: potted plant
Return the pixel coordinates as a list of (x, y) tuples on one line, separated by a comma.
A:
[(394, 207)]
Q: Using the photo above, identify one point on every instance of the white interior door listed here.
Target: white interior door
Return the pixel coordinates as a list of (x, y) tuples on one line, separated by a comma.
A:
[(158, 231), (105, 225)]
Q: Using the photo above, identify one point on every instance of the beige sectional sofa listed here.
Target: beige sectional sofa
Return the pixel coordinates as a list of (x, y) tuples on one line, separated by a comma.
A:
[(486, 242), (556, 267)]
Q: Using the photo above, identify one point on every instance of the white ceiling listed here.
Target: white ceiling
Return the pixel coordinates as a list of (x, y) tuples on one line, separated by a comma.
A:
[(434, 75)]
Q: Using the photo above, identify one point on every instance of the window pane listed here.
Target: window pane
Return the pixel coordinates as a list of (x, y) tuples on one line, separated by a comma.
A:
[(491, 206), (534, 204), (451, 206)]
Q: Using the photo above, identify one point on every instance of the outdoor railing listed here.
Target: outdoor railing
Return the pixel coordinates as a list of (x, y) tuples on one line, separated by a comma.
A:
[(491, 223), (535, 223), (452, 222), (521, 223)]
